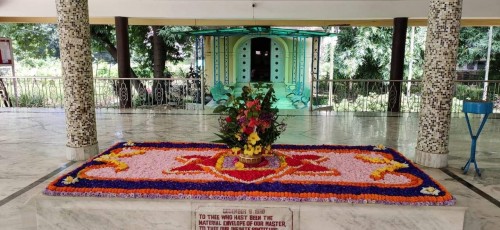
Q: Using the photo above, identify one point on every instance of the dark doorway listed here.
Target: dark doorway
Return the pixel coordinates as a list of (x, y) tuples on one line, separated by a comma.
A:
[(261, 59)]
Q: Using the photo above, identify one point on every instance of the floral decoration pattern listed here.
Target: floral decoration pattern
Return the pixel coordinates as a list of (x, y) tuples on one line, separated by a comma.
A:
[(328, 173)]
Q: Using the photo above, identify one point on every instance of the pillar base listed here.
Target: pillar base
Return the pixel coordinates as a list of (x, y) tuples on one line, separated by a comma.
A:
[(82, 153), (432, 160)]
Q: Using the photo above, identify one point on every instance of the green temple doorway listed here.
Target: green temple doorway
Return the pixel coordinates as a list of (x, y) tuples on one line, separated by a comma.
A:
[(260, 59)]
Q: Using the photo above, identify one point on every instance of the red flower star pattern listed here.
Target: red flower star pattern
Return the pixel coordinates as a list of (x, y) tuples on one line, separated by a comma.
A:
[(299, 164)]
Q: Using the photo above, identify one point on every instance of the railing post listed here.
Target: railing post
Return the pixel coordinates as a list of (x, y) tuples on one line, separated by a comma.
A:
[(202, 79), (316, 45), (14, 82)]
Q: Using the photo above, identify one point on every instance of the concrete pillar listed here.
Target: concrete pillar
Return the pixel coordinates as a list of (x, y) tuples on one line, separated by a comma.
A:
[(439, 74), (123, 56), (397, 63), (74, 42)]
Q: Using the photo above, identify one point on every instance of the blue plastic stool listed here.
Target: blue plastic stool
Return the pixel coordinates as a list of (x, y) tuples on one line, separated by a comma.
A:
[(477, 107)]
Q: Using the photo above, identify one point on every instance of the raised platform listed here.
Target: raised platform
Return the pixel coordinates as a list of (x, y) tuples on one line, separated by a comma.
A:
[(168, 185), (118, 213)]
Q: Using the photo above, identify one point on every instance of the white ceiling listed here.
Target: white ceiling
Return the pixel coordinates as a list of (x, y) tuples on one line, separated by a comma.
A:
[(242, 9)]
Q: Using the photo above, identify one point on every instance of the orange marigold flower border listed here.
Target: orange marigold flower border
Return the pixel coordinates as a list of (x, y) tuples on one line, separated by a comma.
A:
[(264, 190)]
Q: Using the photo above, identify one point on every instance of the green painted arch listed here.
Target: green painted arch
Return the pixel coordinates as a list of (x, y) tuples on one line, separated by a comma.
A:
[(244, 39)]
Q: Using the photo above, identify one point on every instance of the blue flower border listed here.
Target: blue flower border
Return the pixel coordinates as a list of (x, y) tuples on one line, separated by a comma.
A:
[(262, 187)]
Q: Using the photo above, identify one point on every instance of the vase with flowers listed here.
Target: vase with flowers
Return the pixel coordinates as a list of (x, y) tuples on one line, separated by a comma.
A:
[(250, 124)]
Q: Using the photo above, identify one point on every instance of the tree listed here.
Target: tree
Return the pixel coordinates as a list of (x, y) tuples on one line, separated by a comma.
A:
[(418, 52), (364, 52), (32, 41), (167, 44), (151, 47), (474, 44), (176, 46)]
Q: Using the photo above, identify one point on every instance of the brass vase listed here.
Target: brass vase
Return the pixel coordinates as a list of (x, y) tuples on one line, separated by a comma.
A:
[(250, 160)]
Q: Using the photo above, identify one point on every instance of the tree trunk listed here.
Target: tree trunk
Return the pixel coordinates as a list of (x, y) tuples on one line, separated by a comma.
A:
[(160, 88), (111, 48), (159, 54)]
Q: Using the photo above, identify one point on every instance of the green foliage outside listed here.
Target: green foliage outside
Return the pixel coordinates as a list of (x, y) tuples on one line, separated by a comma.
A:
[(30, 100), (35, 45), (469, 92), (361, 53)]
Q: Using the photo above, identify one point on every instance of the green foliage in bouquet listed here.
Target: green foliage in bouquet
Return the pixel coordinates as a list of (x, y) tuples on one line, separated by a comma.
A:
[(250, 122)]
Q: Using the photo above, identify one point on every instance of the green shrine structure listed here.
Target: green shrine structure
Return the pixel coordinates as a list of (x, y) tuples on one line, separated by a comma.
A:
[(287, 58)]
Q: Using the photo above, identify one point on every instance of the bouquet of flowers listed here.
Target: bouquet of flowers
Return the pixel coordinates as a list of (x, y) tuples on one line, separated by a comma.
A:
[(250, 123)]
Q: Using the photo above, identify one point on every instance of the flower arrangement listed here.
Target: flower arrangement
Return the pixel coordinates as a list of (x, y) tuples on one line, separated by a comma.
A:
[(294, 173), (250, 124)]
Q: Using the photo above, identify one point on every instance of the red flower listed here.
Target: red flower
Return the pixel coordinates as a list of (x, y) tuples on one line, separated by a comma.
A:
[(253, 103), (249, 104), (228, 119), (248, 130), (266, 125), (253, 122)]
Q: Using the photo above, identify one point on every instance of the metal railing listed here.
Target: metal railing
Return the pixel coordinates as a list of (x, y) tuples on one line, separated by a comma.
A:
[(31, 91), (186, 93), (179, 93), (375, 95)]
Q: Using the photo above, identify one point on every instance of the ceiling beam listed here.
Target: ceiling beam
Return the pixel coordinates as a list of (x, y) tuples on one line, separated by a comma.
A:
[(225, 22)]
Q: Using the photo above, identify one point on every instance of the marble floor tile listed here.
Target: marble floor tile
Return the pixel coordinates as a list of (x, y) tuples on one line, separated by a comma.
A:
[(32, 144), (481, 214)]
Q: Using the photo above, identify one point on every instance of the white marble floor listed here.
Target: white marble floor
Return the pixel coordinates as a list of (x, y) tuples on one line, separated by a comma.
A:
[(32, 143)]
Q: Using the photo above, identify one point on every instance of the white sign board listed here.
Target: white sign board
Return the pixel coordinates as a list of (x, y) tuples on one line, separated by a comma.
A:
[(5, 51), (243, 218)]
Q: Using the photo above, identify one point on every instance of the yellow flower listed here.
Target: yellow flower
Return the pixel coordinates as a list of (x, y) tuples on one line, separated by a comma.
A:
[(282, 161), (236, 150), (268, 149), (129, 143), (219, 163), (238, 136), (430, 191), (253, 138), (104, 158), (257, 149), (120, 166), (70, 180), (239, 165), (248, 150)]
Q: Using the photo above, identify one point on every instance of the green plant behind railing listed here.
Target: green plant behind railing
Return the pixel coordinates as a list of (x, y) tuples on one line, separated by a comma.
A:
[(320, 100), (25, 100), (469, 92)]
